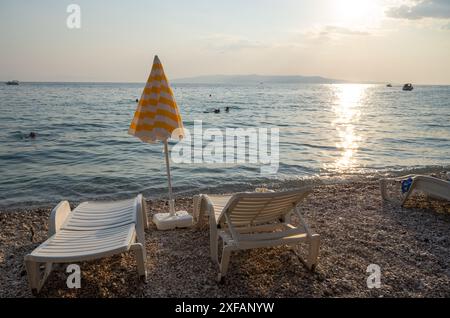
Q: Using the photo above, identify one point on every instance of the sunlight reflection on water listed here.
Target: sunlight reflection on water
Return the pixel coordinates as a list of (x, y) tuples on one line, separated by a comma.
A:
[(347, 109)]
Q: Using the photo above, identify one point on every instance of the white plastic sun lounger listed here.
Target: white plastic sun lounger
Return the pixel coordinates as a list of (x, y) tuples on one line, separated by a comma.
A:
[(91, 231), (433, 187), (250, 220)]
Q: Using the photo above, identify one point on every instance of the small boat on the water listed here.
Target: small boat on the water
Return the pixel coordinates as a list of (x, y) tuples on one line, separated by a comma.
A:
[(12, 82), (408, 87), (389, 85)]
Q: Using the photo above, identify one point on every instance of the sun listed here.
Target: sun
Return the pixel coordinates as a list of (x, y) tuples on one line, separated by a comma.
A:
[(357, 13)]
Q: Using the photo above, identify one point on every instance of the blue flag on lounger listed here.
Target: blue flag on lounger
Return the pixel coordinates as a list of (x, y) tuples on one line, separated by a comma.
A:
[(406, 184)]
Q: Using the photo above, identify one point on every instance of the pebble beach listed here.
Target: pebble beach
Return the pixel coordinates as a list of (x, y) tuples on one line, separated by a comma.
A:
[(357, 228)]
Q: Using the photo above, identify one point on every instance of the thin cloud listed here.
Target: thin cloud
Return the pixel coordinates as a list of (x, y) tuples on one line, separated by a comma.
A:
[(225, 42), (436, 9), (333, 29), (334, 32)]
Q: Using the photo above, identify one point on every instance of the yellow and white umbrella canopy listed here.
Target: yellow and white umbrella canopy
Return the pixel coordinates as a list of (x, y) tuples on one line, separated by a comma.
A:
[(157, 114)]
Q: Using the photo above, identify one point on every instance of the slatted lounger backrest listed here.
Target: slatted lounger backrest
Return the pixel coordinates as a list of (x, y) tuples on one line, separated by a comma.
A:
[(94, 215), (250, 208)]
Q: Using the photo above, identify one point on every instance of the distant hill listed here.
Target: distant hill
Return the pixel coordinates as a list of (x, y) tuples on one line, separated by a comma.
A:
[(255, 79)]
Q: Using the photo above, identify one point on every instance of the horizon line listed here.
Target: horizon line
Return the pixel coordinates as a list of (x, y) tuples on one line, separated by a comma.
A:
[(183, 78)]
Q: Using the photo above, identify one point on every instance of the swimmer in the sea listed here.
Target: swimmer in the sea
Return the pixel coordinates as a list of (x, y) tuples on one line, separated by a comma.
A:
[(217, 110), (227, 109), (32, 135), (137, 100)]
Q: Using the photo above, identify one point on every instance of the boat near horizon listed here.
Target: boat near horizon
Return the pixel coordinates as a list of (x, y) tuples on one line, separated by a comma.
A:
[(13, 82), (408, 87)]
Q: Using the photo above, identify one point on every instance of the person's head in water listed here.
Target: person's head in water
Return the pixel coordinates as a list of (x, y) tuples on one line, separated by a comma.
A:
[(227, 109), (32, 135), (137, 100), (217, 110)]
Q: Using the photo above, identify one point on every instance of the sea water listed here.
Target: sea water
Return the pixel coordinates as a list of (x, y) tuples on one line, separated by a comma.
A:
[(82, 149)]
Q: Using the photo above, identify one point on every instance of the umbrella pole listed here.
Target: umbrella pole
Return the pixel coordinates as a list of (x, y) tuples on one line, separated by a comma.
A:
[(171, 201)]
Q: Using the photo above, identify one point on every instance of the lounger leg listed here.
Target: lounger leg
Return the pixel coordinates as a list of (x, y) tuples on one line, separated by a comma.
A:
[(34, 275), (408, 193), (313, 251), (226, 253), (140, 259), (214, 242), (213, 239), (140, 235)]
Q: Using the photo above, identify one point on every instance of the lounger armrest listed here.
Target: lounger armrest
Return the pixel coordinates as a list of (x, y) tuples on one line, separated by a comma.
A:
[(141, 219), (142, 210), (196, 206), (202, 203), (207, 204), (58, 216)]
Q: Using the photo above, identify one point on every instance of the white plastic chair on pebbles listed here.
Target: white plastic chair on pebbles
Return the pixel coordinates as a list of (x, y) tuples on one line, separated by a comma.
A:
[(91, 231), (250, 220)]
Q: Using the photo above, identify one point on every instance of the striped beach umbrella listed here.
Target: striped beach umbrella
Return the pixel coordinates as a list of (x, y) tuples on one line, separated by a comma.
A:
[(157, 116)]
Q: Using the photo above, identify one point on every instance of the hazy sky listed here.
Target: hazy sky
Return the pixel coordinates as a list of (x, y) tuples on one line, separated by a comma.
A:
[(358, 40)]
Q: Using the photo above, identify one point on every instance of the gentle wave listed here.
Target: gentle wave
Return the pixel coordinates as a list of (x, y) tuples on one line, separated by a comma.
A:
[(328, 133)]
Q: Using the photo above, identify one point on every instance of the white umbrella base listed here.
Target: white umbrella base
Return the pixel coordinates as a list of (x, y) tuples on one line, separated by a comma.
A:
[(165, 221)]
